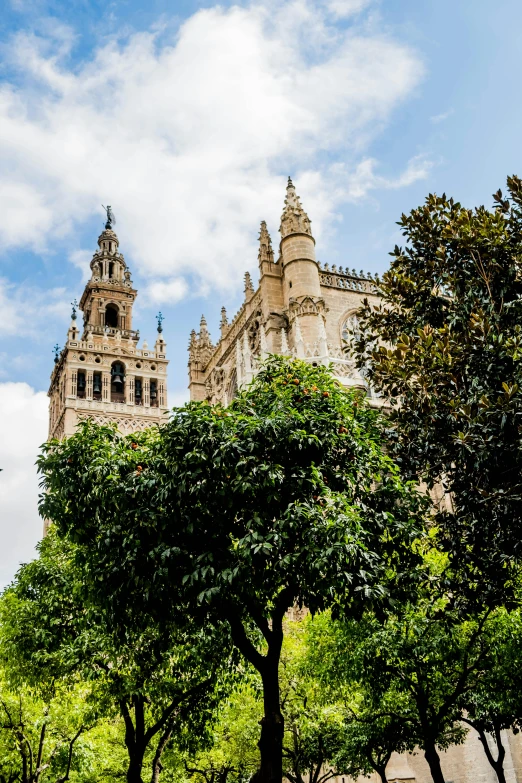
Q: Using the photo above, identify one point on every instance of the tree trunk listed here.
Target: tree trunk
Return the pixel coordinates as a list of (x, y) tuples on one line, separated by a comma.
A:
[(498, 763), (499, 771), (432, 757), (272, 726), (381, 771), (135, 768), (156, 762)]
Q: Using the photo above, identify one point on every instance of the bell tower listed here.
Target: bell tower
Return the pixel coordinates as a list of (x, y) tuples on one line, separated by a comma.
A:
[(101, 373)]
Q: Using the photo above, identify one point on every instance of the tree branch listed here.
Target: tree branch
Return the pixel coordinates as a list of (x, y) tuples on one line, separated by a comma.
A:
[(65, 777)]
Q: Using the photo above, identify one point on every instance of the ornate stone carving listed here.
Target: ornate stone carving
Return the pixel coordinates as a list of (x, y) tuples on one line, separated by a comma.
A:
[(294, 219), (306, 305), (215, 386), (266, 252)]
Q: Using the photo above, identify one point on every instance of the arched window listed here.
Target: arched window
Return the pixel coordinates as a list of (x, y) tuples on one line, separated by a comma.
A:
[(97, 386), (138, 391), (117, 382), (111, 316), (154, 394), (350, 330), (81, 385)]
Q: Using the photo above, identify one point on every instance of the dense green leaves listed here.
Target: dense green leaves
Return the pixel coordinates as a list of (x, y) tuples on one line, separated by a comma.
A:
[(445, 344), (237, 514), (157, 678)]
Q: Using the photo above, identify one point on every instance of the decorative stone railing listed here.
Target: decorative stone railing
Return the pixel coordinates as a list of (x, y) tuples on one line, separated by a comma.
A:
[(335, 277), (126, 334), (94, 345)]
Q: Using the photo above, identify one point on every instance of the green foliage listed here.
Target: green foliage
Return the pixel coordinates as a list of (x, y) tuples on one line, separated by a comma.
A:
[(314, 726), (232, 754), (228, 498), (236, 514), (411, 680), (159, 679), (41, 740), (445, 344)]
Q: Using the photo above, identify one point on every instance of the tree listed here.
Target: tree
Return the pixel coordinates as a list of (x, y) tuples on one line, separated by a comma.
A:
[(159, 679), (494, 702), (39, 738), (313, 725), (374, 719), (231, 755), (413, 678), (285, 497), (445, 345), (368, 741)]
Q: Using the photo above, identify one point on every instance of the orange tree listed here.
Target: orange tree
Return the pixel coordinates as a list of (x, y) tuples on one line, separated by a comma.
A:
[(285, 497)]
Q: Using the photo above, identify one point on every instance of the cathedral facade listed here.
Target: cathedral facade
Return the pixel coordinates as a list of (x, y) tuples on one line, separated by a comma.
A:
[(101, 373), (300, 308)]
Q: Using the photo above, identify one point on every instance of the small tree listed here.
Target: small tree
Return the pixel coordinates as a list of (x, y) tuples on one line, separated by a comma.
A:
[(414, 677), (494, 702), (285, 497), (160, 680), (39, 737)]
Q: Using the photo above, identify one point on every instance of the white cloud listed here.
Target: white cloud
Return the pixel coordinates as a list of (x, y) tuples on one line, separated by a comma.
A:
[(23, 428), (81, 259), (168, 291), (187, 139), (365, 179), (345, 8), (24, 309), (441, 117)]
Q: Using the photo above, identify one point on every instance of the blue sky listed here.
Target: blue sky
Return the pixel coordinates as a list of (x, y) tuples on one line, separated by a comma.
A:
[(187, 118)]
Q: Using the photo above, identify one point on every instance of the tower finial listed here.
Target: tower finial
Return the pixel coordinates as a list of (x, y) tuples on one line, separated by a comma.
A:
[(249, 288), (294, 219), (223, 324), (74, 305), (111, 219), (203, 336), (159, 319), (56, 351), (265, 245)]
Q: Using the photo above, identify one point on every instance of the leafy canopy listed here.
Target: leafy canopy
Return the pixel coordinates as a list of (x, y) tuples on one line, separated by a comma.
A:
[(445, 345)]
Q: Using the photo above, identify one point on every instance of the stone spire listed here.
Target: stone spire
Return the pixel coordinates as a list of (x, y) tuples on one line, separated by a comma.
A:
[(193, 345), (265, 245), (284, 343), (204, 337), (294, 219), (298, 340), (223, 324), (249, 288)]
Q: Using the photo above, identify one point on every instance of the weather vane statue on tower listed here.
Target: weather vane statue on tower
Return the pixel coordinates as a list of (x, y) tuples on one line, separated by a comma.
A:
[(111, 219)]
